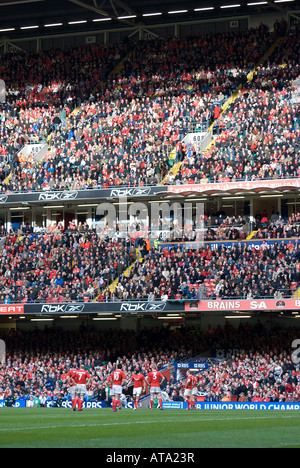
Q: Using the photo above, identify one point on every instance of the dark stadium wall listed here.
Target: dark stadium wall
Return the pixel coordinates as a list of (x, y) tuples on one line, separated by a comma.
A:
[(267, 19), (137, 324), (182, 29)]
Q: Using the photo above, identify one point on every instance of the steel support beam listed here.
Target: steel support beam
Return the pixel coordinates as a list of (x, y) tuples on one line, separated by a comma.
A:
[(99, 9)]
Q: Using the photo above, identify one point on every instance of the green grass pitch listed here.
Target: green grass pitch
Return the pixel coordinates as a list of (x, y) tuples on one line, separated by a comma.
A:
[(173, 429)]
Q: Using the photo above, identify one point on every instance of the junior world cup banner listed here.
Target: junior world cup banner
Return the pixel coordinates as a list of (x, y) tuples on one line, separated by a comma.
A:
[(235, 406)]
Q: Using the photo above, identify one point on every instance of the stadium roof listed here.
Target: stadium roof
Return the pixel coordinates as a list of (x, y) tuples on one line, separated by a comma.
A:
[(43, 17)]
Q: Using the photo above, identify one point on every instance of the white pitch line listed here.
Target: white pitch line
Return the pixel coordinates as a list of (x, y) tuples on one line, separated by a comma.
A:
[(37, 428)]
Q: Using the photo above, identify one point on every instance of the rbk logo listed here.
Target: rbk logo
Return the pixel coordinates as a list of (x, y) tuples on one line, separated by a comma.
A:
[(62, 308), (143, 307), (156, 306), (49, 196), (130, 192)]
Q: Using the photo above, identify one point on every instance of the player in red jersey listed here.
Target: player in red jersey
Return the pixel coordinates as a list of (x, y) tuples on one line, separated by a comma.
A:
[(139, 386), (116, 380), (81, 379), (190, 390), (70, 380), (110, 384), (195, 391), (155, 380)]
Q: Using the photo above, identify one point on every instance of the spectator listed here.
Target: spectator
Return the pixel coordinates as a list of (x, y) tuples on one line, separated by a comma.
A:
[(248, 375)]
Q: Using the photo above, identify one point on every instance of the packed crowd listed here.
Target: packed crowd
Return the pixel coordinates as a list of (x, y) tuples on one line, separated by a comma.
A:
[(58, 77), (259, 372), (121, 134), (78, 264), (262, 369), (262, 227), (70, 266), (43, 89), (237, 271), (277, 227), (258, 135)]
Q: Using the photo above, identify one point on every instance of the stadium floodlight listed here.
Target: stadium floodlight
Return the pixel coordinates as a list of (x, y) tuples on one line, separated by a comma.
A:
[(77, 22), (126, 17), (271, 196), (177, 12), (99, 319), (152, 14), (204, 9), (198, 199), (2, 92), (238, 317), (41, 320), (231, 6), (68, 316), (52, 25), (86, 206), (98, 20), (29, 27), (179, 317)]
